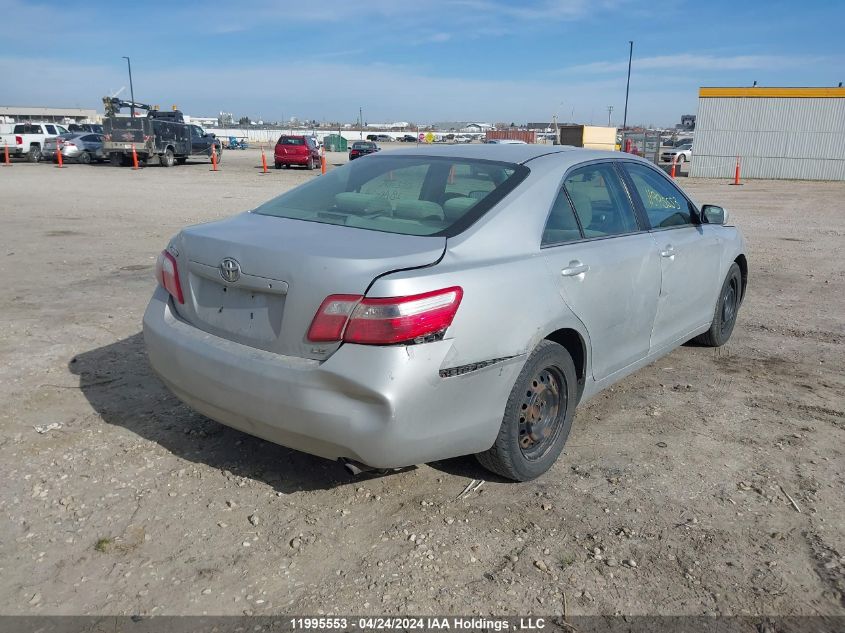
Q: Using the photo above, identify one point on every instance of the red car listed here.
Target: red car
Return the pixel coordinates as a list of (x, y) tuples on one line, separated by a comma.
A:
[(296, 150)]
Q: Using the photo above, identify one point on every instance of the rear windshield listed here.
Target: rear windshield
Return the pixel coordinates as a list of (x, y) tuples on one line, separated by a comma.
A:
[(291, 140), (409, 195), (360, 145)]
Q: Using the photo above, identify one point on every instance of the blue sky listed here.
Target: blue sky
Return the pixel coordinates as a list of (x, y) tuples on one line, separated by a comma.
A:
[(485, 60)]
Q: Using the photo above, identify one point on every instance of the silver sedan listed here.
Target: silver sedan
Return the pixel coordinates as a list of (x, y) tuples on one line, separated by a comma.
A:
[(427, 303)]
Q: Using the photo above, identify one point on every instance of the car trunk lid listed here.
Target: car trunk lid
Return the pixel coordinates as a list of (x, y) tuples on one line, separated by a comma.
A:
[(285, 269)]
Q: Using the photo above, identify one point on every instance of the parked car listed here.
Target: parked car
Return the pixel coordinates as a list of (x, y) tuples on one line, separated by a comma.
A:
[(27, 139), (683, 152), (371, 316), (408, 138), (296, 150), (383, 138), (82, 147), (362, 148), (85, 127), (682, 141)]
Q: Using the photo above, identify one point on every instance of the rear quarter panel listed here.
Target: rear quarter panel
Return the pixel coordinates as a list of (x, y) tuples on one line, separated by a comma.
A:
[(511, 300)]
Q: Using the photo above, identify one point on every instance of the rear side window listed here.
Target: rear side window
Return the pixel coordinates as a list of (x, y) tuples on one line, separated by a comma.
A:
[(409, 195), (664, 204), (291, 140), (600, 201), (561, 227)]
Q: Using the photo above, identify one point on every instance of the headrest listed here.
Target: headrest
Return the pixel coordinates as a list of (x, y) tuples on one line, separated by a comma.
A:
[(361, 203), (417, 210), (455, 208)]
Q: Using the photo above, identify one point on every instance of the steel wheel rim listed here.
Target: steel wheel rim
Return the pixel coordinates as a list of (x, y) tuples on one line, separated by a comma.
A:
[(729, 303), (541, 413)]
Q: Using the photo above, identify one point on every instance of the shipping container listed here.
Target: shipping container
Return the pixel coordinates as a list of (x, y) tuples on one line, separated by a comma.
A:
[(589, 136), (528, 136)]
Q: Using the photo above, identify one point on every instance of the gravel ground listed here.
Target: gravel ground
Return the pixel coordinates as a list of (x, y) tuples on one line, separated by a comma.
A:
[(674, 496)]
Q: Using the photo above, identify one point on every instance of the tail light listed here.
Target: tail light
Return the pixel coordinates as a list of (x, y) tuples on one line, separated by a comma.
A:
[(385, 321), (19, 140), (167, 275), (106, 137)]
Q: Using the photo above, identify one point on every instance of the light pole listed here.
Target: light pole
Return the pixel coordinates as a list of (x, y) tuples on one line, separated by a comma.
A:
[(361, 123), (628, 85), (609, 112), (131, 89)]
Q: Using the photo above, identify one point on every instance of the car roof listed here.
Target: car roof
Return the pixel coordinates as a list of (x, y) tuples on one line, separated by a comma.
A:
[(509, 153)]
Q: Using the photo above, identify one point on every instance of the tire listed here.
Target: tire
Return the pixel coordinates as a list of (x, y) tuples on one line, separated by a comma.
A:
[(34, 155), (727, 307), (84, 158), (278, 165), (167, 159), (547, 386), (182, 160), (310, 164), (681, 158), (116, 159)]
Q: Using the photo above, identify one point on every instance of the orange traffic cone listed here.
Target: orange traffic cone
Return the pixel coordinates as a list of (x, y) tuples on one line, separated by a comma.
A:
[(213, 158), (134, 157), (6, 161), (263, 161)]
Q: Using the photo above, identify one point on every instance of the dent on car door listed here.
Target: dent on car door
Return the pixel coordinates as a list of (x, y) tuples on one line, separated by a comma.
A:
[(690, 255), (605, 264)]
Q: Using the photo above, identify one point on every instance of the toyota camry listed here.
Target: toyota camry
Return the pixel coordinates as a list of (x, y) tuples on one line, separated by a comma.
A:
[(431, 302)]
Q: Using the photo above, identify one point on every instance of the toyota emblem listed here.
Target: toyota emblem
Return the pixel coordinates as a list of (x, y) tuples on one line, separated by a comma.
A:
[(230, 270)]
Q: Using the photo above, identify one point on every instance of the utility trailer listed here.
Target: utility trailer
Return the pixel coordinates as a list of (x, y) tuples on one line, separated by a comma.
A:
[(162, 134)]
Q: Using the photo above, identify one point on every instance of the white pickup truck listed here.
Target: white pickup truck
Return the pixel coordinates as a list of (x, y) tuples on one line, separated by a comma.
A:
[(27, 139)]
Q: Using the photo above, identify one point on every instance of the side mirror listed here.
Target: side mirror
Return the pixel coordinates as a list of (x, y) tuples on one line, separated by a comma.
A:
[(712, 214)]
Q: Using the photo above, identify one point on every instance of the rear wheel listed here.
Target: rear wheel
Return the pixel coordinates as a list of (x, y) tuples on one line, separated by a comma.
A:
[(278, 165), (84, 158), (538, 416), (34, 154), (116, 159), (727, 308), (167, 159), (182, 160), (310, 166)]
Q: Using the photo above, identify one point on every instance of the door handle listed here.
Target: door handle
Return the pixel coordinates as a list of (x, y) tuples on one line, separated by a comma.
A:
[(574, 268), (669, 252)]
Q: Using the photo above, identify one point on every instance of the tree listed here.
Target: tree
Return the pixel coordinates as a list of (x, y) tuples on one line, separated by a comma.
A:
[(244, 120)]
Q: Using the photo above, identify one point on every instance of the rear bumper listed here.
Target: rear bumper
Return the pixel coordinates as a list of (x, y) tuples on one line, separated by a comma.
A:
[(384, 406), (292, 159)]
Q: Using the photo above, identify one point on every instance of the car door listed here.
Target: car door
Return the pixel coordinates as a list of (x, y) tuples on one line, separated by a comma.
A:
[(605, 264), (199, 142), (690, 255)]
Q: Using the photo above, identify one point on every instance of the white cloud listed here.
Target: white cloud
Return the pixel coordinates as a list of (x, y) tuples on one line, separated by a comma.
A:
[(687, 61)]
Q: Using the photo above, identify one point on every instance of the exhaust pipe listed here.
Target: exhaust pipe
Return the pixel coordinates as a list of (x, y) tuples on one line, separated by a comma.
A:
[(355, 468)]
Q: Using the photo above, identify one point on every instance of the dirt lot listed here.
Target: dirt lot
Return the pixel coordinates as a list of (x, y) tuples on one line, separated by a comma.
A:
[(671, 497)]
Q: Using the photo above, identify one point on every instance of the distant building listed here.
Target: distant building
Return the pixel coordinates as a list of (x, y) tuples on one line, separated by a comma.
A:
[(17, 114), (461, 126)]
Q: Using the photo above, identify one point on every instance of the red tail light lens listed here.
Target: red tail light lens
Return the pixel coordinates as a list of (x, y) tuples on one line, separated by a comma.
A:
[(384, 321), (168, 275), (19, 140), (331, 317)]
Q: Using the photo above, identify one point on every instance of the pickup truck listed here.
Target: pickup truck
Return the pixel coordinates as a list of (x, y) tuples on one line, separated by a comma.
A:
[(164, 135), (27, 139)]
